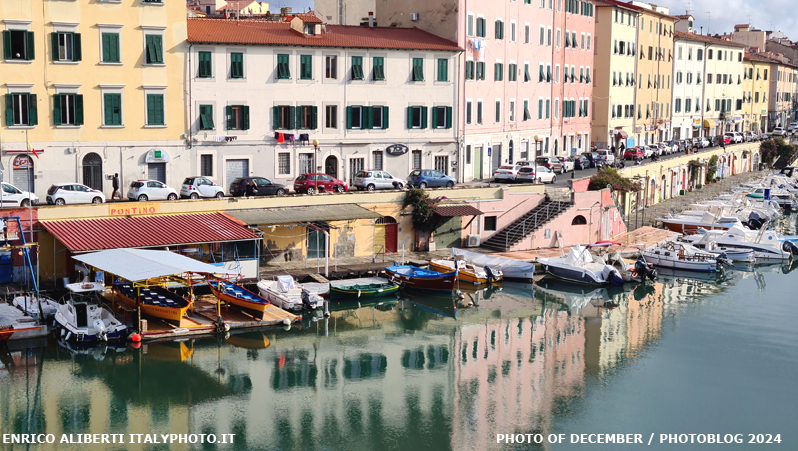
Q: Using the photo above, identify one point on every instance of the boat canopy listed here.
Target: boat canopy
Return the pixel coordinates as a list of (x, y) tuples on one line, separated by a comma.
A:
[(137, 265), (578, 256), (508, 266)]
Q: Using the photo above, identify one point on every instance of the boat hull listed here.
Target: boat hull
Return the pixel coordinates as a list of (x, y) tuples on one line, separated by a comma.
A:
[(463, 275), (684, 265), (441, 282), (349, 293), (691, 228), (573, 275), (257, 304), (173, 314)]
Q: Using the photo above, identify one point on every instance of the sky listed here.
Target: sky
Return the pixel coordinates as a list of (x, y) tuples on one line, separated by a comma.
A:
[(716, 16)]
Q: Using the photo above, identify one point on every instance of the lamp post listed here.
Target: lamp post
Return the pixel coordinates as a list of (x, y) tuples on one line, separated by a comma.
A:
[(315, 163)]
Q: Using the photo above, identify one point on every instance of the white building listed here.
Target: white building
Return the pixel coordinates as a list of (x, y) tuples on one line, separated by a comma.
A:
[(688, 86), (261, 92)]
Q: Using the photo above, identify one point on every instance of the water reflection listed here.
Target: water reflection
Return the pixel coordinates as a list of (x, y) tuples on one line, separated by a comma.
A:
[(407, 372)]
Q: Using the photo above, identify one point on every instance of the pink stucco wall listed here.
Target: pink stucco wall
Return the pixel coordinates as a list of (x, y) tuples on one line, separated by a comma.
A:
[(508, 209)]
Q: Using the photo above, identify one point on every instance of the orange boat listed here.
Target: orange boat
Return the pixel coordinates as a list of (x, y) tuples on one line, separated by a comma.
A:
[(238, 296), (157, 302)]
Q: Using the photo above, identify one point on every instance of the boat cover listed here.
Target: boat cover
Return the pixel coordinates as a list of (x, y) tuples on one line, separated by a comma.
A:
[(286, 283), (509, 267), (578, 256)]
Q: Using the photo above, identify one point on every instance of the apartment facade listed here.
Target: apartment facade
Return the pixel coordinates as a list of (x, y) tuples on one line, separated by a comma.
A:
[(723, 90), (516, 100), (688, 86), (372, 98), (96, 89), (782, 92), (614, 86), (654, 71), (755, 92)]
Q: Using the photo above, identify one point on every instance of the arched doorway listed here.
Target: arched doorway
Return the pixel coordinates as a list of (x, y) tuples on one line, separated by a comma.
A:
[(22, 172), (93, 171), (579, 220), (386, 232), (662, 187), (331, 166)]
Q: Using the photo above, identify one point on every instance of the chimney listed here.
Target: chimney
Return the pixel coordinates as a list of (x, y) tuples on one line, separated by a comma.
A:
[(702, 31), (371, 19)]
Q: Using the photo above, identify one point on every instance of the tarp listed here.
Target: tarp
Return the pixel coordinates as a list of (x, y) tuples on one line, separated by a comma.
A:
[(136, 265), (513, 269)]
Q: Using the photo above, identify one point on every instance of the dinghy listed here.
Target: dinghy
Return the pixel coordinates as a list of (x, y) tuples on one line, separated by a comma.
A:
[(421, 279), (288, 295), (30, 305), (238, 296), (363, 291)]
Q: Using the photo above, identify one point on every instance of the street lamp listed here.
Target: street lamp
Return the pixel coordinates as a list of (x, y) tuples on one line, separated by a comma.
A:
[(316, 163)]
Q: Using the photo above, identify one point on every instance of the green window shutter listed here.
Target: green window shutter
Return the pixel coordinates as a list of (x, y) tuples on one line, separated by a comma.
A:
[(9, 106), (204, 64), (159, 113), (385, 117), (410, 114), (367, 115), (31, 46), (158, 42), (448, 117), (306, 67), (283, 69), (276, 118), (424, 117), (33, 111), (292, 122), (246, 117), (106, 43), (229, 116), (236, 65), (443, 69), (54, 40), (150, 49), (57, 109), (540, 108), (314, 117), (7, 44), (349, 118), (108, 103), (298, 117), (379, 68), (418, 69), (77, 53)]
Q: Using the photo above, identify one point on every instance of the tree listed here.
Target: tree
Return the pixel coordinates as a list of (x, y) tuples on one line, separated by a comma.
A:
[(609, 176), (712, 169), (423, 209)]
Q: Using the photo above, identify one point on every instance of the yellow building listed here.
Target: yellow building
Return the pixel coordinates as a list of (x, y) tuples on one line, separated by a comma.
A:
[(755, 92), (96, 87), (654, 69), (614, 90)]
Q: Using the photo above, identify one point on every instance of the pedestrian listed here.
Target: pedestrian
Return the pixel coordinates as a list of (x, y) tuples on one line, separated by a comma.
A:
[(248, 189), (254, 188), (115, 184)]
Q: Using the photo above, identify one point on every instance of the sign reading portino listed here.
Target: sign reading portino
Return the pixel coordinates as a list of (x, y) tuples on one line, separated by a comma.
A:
[(133, 209)]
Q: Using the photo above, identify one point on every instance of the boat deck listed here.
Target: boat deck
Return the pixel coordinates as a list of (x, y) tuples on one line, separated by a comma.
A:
[(12, 316)]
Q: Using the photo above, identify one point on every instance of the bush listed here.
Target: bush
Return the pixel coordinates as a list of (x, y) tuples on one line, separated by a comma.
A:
[(712, 168), (609, 176), (423, 209)]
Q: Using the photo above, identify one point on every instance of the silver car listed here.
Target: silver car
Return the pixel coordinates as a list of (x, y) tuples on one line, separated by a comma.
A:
[(374, 180)]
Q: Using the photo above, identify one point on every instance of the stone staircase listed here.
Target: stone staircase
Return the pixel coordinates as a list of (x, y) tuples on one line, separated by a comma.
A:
[(525, 225)]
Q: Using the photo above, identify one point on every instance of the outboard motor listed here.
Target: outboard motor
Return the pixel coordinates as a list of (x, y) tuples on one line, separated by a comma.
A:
[(306, 300), (644, 270), (755, 221), (790, 247), (723, 260), (615, 279), (99, 329), (489, 273)]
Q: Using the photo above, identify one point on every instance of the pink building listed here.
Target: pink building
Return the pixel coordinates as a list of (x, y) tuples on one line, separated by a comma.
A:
[(516, 100)]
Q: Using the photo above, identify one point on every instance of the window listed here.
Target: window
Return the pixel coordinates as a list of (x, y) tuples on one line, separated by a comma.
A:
[(468, 154), (154, 53), (470, 25), (18, 45), (354, 117), (331, 67), (548, 108), (283, 70), (526, 34), (588, 40), (481, 27), (378, 68), (377, 160), (377, 117), (331, 116), (468, 112), (417, 117), (236, 65), (441, 165), (237, 117), (306, 117), (21, 109), (68, 109), (548, 36), (709, 79), (112, 109), (540, 108), (306, 67), (512, 31), (110, 43), (479, 111), (542, 35), (512, 111), (498, 112), (469, 70), (527, 77), (498, 71), (512, 72), (699, 54), (418, 69), (416, 159), (357, 68), (527, 116), (557, 41), (206, 117), (206, 165), (490, 223), (499, 29), (709, 54), (443, 69), (480, 70), (205, 70), (283, 163), (155, 109)]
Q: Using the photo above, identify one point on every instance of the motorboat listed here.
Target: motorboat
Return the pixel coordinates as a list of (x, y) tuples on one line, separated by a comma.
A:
[(511, 269), (363, 291), (689, 224), (33, 306), (467, 272), (638, 271), (683, 256), (157, 302), (82, 321), (580, 266), (238, 296), (416, 278), (766, 244), (288, 295)]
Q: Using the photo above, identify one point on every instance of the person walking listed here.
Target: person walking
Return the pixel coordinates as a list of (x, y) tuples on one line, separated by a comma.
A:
[(248, 190), (115, 184)]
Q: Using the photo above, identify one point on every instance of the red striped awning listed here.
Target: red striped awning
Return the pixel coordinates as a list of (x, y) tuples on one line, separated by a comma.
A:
[(451, 210), (83, 235)]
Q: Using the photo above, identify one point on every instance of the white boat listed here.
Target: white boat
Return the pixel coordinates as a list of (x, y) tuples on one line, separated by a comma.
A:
[(510, 269), (690, 223), (30, 305), (580, 266), (675, 255), (288, 295), (85, 322), (766, 244)]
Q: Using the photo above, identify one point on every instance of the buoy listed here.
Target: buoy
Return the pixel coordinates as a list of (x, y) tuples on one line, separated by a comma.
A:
[(135, 338), (287, 322)]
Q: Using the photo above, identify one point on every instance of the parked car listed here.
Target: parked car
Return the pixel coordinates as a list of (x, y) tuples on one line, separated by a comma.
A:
[(726, 139), (196, 187), (648, 151), (778, 131), (633, 153), (734, 137), (313, 183), (553, 163), (703, 142), (506, 173), (663, 149), (374, 180), (73, 193), (11, 196), (592, 157), (606, 156), (262, 187), (429, 178), (581, 162), (539, 174), (144, 190), (567, 164)]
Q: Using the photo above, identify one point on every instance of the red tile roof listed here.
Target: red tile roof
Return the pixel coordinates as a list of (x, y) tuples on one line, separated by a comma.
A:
[(617, 3), (260, 32), (447, 211), (309, 17), (81, 235), (683, 16), (704, 38)]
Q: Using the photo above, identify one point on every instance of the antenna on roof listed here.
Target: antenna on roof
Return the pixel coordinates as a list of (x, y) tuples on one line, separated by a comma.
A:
[(709, 22), (688, 8)]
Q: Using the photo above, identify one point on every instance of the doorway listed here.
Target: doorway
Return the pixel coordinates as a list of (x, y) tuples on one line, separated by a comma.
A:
[(93, 171), (478, 163), (331, 166), (386, 235), (355, 165)]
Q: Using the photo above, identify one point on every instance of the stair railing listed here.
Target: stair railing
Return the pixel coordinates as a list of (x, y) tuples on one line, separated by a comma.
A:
[(531, 223)]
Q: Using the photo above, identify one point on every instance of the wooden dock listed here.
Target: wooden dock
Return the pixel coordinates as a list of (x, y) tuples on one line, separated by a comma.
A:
[(24, 326)]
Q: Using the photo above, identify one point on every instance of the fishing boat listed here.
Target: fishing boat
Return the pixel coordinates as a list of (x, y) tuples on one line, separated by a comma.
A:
[(238, 296), (30, 305), (580, 266), (288, 295), (363, 291), (467, 272), (83, 322), (421, 279), (676, 255), (511, 269), (157, 302)]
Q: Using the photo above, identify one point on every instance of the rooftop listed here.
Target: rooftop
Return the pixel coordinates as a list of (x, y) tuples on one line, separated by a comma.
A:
[(705, 38), (613, 3), (261, 32)]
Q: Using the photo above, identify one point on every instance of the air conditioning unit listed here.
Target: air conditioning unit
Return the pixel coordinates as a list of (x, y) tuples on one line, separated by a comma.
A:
[(414, 17), (473, 241)]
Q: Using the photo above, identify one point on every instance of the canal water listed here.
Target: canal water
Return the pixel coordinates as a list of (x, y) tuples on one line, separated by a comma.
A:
[(686, 355)]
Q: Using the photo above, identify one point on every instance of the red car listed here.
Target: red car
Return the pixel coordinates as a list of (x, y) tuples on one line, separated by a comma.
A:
[(726, 139), (313, 183), (633, 153)]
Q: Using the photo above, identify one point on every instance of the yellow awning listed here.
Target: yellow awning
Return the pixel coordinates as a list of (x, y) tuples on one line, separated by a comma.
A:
[(709, 123)]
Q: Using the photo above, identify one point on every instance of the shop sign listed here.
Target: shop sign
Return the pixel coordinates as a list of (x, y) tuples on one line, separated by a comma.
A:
[(157, 156), (22, 162), (397, 149), (648, 127), (134, 209), (697, 123)]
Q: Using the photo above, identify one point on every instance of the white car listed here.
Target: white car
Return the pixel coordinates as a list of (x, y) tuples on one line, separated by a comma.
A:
[(607, 157), (539, 174), (507, 173), (144, 190), (647, 151), (663, 149), (73, 193), (568, 164), (11, 196), (778, 131), (704, 142), (196, 187), (735, 137)]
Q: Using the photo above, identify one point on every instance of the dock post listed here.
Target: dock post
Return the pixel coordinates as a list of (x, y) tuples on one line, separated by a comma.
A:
[(138, 306)]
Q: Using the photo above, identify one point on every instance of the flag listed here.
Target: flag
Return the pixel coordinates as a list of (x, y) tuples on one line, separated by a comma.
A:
[(30, 147)]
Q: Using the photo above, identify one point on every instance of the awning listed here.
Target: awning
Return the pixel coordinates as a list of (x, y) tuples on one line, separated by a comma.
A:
[(451, 210), (622, 134), (299, 215), (709, 123), (142, 264), (82, 235), (157, 156)]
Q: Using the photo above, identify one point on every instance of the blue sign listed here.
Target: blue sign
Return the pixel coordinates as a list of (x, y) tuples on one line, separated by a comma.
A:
[(489, 151), (630, 142)]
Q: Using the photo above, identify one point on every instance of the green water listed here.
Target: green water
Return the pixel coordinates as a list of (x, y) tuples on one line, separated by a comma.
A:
[(716, 355)]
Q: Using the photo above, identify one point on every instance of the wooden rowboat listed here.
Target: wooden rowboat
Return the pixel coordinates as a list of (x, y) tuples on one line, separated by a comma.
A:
[(371, 290), (156, 302), (238, 296), (466, 272), (421, 279)]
